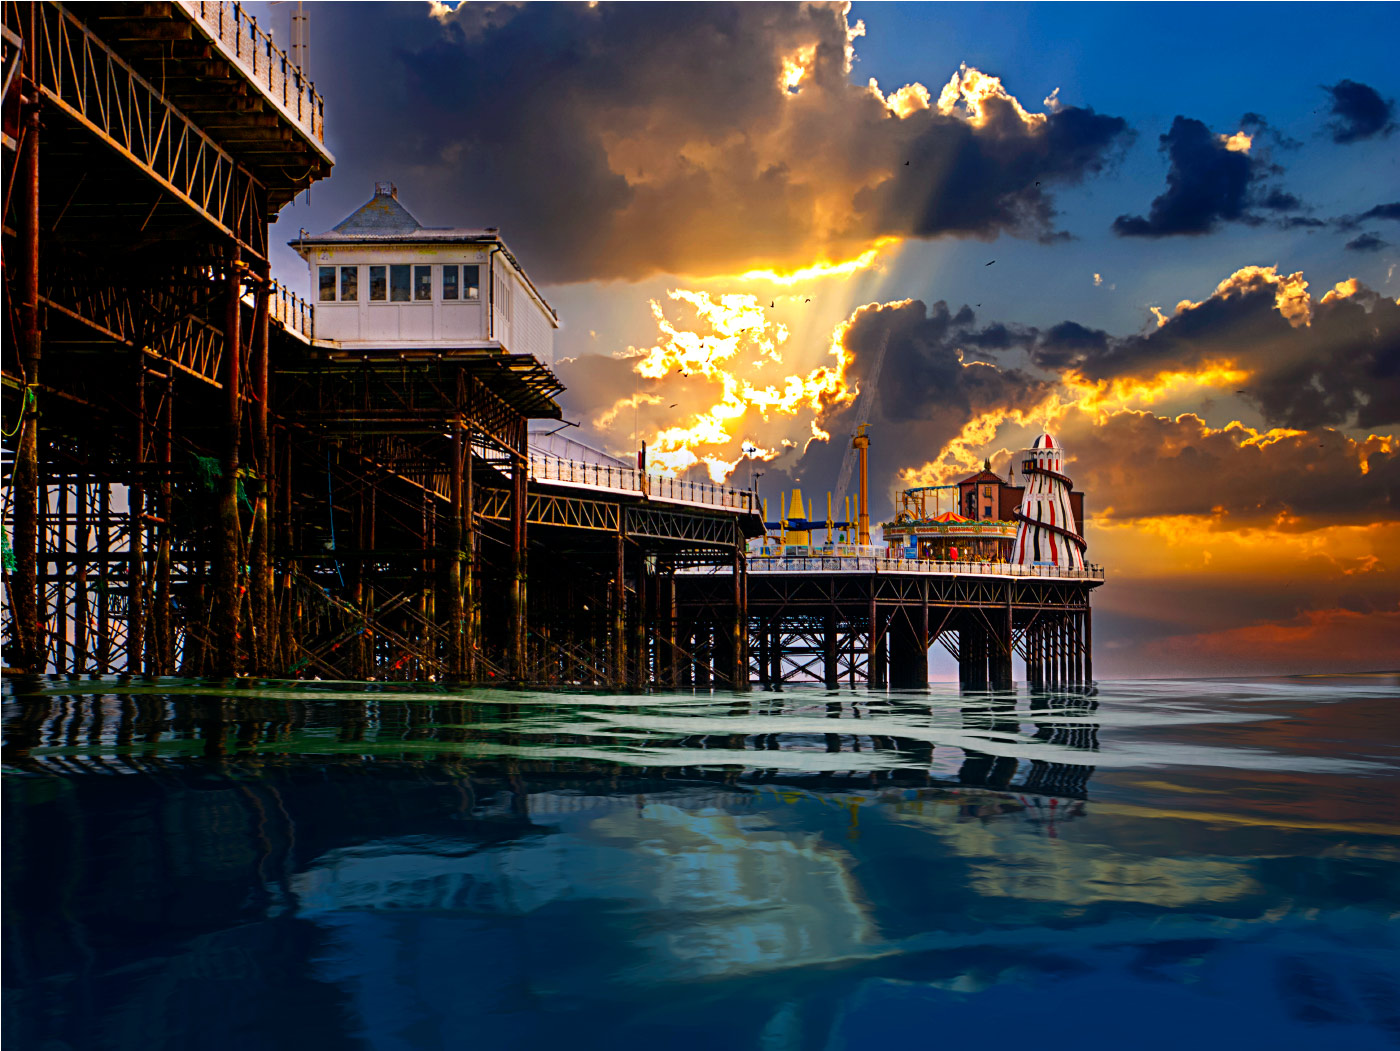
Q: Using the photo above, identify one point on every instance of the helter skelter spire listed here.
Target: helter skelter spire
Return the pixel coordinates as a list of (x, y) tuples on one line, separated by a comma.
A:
[(1047, 533)]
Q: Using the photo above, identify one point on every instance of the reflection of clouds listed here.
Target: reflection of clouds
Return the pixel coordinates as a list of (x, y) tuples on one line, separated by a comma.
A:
[(711, 892), (1008, 863)]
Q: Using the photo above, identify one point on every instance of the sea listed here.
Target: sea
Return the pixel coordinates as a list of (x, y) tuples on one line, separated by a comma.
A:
[(312, 866)]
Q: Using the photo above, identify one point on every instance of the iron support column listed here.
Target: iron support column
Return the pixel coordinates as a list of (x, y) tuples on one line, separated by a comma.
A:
[(469, 634), (739, 629), (162, 631), (260, 575), (1088, 643), (453, 582), (519, 494), (619, 604), (224, 630), (831, 671), (136, 517), (29, 653)]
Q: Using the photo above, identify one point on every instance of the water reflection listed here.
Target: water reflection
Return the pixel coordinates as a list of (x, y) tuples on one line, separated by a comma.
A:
[(275, 866)]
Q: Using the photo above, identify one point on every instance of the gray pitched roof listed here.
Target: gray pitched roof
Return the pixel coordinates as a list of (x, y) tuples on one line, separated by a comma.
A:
[(380, 216), (382, 219)]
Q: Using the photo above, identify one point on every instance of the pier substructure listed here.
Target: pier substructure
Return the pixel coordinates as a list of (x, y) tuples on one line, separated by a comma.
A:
[(876, 628), (140, 181), (602, 603)]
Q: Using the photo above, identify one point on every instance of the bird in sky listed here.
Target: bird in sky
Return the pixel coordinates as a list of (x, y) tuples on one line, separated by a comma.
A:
[(989, 264)]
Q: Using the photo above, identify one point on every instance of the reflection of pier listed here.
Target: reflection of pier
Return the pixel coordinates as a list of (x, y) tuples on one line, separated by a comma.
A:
[(158, 839), (890, 742)]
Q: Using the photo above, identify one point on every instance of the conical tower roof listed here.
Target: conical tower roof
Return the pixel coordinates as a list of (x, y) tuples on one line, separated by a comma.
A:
[(380, 216)]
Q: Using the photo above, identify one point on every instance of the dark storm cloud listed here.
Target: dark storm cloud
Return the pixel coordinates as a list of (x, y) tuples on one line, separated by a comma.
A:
[(1382, 211), (927, 391), (1156, 467), (1207, 184), (1342, 368), (1366, 243), (980, 181), (1390, 210), (1278, 201), (1359, 112), (1066, 343), (615, 141), (926, 377)]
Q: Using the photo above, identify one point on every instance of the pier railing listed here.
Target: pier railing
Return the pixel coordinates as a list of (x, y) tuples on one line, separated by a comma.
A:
[(619, 479), (294, 312), (867, 564), (239, 37)]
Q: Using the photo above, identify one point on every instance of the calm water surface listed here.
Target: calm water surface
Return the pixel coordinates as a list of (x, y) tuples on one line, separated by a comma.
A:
[(1160, 865)]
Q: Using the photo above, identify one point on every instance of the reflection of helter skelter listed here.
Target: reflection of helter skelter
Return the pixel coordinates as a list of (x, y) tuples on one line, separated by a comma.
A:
[(1046, 533)]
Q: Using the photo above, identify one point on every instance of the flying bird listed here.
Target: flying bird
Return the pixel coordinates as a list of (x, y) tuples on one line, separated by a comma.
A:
[(989, 264), (807, 300), (674, 404), (906, 164)]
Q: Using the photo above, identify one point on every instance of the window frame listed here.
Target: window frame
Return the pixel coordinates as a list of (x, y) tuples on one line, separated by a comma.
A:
[(353, 271), (407, 270), (383, 268), (321, 289), (418, 269)]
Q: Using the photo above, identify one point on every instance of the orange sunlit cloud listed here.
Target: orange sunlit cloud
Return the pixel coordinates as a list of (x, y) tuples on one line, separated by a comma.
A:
[(726, 344), (814, 271)]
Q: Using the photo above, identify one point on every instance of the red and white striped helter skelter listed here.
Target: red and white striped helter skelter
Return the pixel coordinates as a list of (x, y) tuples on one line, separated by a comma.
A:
[(1046, 532)]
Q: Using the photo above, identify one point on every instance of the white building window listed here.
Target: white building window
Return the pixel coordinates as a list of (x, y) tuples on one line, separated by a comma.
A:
[(378, 284), (423, 283), (327, 284), (398, 283), (349, 284), (461, 282)]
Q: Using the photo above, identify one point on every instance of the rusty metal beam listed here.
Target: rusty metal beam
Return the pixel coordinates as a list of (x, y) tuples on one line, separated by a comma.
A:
[(81, 76)]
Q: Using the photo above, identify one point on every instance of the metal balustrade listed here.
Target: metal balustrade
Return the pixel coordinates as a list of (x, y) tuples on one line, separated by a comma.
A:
[(616, 478), (292, 311), (869, 564), (238, 36)]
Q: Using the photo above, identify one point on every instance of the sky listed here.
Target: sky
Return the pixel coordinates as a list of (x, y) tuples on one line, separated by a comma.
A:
[(1168, 234)]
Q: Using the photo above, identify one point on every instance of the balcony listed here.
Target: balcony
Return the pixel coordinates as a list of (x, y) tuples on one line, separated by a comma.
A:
[(619, 479), (842, 563), (237, 34)]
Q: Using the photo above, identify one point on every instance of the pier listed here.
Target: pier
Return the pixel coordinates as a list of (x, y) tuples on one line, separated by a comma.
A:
[(849, 619), (206, 474)]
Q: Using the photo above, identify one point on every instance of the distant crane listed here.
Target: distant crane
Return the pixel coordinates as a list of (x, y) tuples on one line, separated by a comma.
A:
[(863, 405)]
